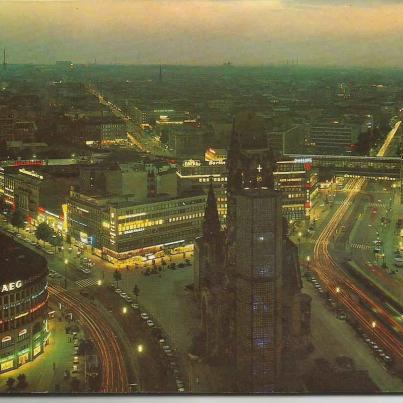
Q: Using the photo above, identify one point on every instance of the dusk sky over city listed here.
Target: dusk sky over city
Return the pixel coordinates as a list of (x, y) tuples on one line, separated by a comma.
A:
[(317, 32)]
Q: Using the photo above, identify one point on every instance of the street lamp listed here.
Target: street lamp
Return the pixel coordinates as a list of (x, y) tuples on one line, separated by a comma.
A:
[(66, 262), (124, 310), (373, 325), (299, 239), (99, 282), (140, 348), (308, 260)]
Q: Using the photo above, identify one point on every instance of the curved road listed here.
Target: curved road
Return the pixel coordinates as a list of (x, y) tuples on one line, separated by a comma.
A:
[(114, 374)]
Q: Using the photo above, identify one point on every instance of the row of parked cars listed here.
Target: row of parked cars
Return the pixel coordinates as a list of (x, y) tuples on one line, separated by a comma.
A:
[(378, 351), (165, 348), (30, 241)]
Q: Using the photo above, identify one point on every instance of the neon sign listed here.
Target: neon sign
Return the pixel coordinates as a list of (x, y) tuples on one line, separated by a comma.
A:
[(11, 286)]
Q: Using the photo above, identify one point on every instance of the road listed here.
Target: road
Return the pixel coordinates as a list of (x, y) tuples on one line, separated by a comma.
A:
[(136, 136), (343, 289), (114, 374)]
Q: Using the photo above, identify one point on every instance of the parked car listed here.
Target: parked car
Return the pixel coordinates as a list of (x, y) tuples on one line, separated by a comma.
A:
[(150, 323), (135, 306), (144, 316)]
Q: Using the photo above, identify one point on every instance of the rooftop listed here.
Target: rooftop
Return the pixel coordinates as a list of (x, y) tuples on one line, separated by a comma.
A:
[(17, 262)]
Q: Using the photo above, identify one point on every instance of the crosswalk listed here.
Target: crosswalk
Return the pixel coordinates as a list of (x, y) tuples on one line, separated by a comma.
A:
[(360, 246), (374, 204), (87, 282), (377, 204)]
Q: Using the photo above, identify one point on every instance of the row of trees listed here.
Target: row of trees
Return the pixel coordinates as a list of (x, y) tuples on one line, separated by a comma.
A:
[(43, 232)]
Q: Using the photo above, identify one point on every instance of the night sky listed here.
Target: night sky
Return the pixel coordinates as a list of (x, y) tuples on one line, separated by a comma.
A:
[(317, 32)]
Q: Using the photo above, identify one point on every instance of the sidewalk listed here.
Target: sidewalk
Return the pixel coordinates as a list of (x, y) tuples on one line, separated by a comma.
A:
[(40, 374)]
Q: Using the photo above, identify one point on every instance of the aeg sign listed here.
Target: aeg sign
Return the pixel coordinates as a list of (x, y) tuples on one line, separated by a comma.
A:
[(11, 286)]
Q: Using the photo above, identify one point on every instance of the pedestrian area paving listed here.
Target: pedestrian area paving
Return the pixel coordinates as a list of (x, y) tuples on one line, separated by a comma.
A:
[(46, 373), (87, 282)]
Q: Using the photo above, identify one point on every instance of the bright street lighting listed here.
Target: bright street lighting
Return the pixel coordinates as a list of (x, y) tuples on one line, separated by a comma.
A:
[(99, 282), (140, 348), (373, 324), (66, 261), (124, 310), (308, 258), (337, 290)]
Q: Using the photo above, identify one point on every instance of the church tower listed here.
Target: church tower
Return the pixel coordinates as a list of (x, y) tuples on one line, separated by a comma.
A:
[(247, 278)]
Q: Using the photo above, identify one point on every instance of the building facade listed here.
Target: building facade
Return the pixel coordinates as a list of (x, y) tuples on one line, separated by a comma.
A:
[(295, 178), (118, 229), (23, 298), (332, 138)]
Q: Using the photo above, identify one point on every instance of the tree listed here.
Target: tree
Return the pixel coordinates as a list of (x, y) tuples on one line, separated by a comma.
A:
[(117, 276), (43, 232), (18, 219), (136, 291), (10, 383), (56, 240), (22, 381)]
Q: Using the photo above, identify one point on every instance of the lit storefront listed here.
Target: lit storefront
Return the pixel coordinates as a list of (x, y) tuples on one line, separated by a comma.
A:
[(23, 298), (120, 231)]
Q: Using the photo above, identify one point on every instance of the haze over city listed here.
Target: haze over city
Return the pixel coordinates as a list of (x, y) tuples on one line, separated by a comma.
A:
[(320, 32)]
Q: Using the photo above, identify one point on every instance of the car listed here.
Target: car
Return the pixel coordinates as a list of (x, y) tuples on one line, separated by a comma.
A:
[(341, 316), (118, 290), (85, 270), (123, 294), (75, 360), (76, 350), (150, 323), (144, 316), (181, 390), (49, 252), (135, 306), (166, 347), (161, 340), (128, 299), (19, 235)]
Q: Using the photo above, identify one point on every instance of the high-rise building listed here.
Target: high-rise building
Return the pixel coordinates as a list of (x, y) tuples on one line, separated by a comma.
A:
[(252, 307)]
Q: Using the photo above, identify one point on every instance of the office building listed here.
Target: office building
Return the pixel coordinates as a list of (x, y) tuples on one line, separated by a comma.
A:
[(24, 304), (120, 228), (331, 137)]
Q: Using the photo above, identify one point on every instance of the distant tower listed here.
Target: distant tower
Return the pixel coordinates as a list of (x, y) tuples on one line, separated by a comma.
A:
[(4, 59), (160, 77)]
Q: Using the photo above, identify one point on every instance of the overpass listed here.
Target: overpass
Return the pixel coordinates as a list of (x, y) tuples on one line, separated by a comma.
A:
[(373, 167)]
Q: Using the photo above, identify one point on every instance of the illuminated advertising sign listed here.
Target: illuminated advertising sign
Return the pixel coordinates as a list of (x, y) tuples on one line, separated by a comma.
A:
[(303, 160), (191, 163), (11, 286)]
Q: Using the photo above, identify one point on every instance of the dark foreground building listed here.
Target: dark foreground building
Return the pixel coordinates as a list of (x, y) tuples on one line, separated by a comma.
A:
[(254, 315), (23, 304)]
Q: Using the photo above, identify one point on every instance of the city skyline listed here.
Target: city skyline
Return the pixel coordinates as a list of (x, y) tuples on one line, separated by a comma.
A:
[(191, 32)]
